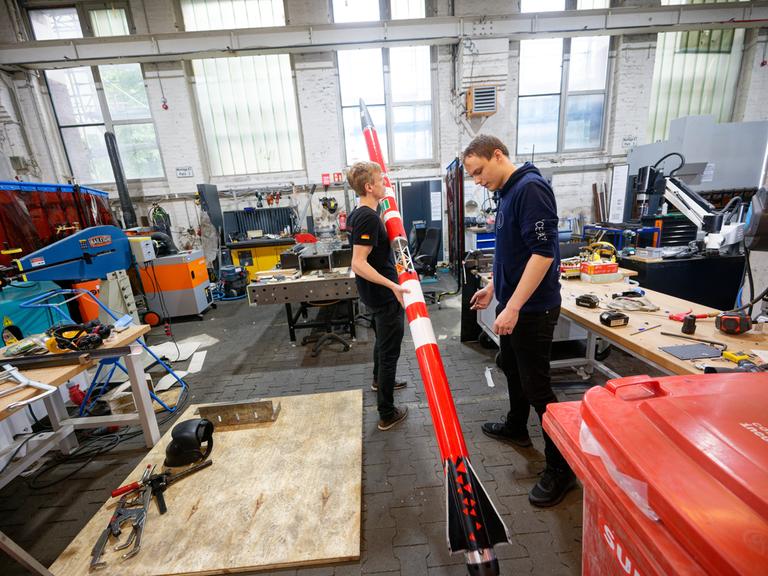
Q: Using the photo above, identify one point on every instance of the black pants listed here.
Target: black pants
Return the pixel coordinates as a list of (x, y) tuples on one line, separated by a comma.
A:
[(388, 326), (524, 358)]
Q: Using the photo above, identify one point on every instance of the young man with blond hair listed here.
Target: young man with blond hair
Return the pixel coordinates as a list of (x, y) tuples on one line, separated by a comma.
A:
[(527, 286), (374, 266)]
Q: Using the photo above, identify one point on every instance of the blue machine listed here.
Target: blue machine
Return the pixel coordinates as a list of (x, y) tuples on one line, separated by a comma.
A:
[(85, 255)]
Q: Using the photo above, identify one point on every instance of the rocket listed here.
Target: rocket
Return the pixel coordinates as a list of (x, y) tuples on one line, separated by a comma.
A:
[(474, 526)]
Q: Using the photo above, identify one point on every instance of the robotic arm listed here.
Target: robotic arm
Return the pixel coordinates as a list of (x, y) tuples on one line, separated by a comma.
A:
[(715, 228)]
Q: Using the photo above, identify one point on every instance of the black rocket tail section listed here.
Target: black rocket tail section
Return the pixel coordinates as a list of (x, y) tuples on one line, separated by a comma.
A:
[(474, 524)]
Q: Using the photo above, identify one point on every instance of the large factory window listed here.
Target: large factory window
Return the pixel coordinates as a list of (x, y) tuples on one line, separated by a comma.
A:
[(395, 83), (90, 100), (695, 72), (562, 90), (247, 104)]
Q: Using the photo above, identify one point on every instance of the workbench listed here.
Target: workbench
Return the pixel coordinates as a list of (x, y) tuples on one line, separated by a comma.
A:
[(312, 289), (282, 494), (64, 426), (643, 344)]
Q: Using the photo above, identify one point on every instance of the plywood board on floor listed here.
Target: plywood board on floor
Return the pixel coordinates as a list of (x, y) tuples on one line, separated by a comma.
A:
[(285, 494)]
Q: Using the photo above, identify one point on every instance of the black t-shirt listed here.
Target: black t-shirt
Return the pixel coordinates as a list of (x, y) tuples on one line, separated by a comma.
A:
[(367, 229)]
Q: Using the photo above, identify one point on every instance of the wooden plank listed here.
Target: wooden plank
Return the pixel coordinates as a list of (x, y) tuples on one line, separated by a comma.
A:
[(57, 375), (646, 344), (285, 494)]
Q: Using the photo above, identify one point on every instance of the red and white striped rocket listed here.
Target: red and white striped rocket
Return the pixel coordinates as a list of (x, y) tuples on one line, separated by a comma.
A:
[(474, 525)]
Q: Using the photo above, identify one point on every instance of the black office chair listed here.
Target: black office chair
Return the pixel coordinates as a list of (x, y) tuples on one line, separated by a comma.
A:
[(425, 261), (416, 235)]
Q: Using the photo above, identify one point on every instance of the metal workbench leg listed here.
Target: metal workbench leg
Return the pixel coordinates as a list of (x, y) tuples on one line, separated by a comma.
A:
[(57, 413), (22, 556), (351, 312), (141, 396), (291, 330)]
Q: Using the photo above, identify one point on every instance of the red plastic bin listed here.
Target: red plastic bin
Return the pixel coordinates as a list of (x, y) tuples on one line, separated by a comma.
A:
[(675, 473)]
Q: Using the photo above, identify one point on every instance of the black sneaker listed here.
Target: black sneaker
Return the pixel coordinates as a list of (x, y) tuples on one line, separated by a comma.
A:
[(398, 416), (499, 431), (552, 487), (398, 385)]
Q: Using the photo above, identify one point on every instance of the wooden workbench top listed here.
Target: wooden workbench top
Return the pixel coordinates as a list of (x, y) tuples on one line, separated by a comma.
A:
[(280, 494), (58, 375), (646, 344)]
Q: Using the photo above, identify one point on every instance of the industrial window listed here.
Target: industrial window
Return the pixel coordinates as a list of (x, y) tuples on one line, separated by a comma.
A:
[(695, 72), (91, 100), (562, 88), (395, 83), (247, 104)]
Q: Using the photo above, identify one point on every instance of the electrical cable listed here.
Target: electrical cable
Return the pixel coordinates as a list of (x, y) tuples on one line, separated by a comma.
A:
[(91, 448), (748, 270), (39, 424), (18, 449), (682, 161)]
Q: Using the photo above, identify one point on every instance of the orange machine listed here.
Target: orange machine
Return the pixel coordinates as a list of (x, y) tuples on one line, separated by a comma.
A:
[(176, 285)]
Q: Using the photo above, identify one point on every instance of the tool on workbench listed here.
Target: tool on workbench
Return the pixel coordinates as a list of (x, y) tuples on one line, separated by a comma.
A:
[(158, 483), (132, 510), (65, 358), (634, 304), (614, 319), (186, 445), (645, 329), (742, 366), (681, 316), (689, 324), (735, 357), (691, 351), (588, 300), (12, 373), (733, 322), (706, 341), (635, 293)]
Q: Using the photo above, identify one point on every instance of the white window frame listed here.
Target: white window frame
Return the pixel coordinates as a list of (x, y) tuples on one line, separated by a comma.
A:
[(83, 9), (389, 105), (564, 94)]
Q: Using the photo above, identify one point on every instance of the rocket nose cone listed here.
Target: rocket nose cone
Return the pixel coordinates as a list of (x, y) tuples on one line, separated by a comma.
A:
[(365, 117)]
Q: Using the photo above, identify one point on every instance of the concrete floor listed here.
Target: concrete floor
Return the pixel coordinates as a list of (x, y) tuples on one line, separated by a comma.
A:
[(403, 529)]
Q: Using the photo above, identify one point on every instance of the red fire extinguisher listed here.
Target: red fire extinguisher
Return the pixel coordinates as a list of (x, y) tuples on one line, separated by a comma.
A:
[(342, 220)]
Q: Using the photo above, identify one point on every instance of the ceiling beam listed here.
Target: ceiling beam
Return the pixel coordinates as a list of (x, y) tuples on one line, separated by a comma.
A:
[(323, 37)]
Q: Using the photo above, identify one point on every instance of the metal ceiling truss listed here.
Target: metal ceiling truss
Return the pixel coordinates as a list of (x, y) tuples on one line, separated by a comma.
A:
[(437, 30)]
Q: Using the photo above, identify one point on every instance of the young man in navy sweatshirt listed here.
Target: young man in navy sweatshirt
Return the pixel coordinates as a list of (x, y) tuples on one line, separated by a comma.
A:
[(527, 287)]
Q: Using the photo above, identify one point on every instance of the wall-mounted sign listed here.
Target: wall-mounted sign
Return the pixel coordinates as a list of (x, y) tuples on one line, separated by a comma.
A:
[(184, 172)]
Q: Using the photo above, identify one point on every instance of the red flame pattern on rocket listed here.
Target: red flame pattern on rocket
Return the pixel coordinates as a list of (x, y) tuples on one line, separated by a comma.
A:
[(474, 525)]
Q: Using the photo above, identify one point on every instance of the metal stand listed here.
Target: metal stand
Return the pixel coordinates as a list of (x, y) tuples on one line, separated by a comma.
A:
[(294, 324), (41, 301)]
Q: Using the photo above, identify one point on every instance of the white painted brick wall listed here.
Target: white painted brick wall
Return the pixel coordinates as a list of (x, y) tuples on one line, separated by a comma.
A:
[(317, 85), (175, 128), (630, 94), (752, 95)]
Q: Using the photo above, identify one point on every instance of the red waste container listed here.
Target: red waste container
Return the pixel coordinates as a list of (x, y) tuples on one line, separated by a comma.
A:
[(675, 473)]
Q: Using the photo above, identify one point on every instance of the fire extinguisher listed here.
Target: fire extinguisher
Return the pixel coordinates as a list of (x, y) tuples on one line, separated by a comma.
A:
[(342, 220)]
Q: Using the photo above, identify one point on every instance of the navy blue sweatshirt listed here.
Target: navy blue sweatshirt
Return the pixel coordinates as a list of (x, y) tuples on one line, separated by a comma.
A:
[(526, 224)]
